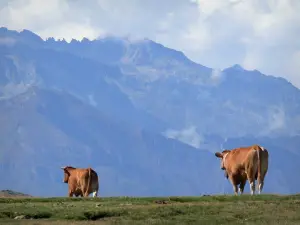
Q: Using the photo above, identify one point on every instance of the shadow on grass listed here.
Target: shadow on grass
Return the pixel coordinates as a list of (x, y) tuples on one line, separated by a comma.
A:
[(96, 215), (36, 215), (88, 215)]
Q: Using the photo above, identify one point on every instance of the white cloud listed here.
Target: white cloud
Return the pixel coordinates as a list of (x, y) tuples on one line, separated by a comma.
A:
[(7, 41), (216, 76), (188, 136), (277, 120), (217, 33)]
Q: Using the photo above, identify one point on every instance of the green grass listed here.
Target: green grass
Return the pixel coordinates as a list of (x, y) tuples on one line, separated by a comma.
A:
[(246, 209)]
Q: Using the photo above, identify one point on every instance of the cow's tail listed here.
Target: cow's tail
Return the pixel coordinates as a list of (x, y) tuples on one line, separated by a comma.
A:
[(259, 156), (89, 183)]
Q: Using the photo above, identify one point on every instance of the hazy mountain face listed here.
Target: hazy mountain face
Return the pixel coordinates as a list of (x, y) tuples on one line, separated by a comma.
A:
[(144, 116), (230, 103)]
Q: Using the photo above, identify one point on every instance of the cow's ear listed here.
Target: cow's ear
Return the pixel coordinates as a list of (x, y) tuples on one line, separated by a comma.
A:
[(219, 155)]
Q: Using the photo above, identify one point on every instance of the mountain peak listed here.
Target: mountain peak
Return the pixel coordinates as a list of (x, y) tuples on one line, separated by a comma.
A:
[(24, 36), (30, 35), (237, 67)]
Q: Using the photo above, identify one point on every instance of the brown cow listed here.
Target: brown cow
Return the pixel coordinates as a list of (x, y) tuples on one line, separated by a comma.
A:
[(245, 163), (81, 181)]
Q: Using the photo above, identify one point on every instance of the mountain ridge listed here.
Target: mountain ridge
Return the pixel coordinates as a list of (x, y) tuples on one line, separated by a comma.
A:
[(27, 34)]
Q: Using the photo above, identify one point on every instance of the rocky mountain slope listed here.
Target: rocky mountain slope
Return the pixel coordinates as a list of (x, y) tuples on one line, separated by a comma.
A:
[(242, 102)]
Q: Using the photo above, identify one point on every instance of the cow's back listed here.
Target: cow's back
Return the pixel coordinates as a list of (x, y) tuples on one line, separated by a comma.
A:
[(239, 156), (242, 161)]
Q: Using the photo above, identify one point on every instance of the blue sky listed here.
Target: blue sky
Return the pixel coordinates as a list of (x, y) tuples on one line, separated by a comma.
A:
[(258, 34)]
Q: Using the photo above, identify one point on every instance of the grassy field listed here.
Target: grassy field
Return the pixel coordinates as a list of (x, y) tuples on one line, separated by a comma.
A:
[(264, 209)]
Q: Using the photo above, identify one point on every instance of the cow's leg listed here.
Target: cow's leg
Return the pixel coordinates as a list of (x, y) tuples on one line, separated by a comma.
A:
[(235, 189), (261, 183), (251, 172), (252, 183), (70, 193), (242, 186), (234, 184), (252, 187), (260, 187), (262, 177), (96, 189), (85, 192), (95, 194), (78, 194)]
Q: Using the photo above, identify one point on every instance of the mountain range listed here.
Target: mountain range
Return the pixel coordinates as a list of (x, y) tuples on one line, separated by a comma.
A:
[(144, 116)]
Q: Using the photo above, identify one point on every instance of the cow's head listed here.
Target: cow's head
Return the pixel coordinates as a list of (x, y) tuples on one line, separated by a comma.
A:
[(67, 174), (222, 155)]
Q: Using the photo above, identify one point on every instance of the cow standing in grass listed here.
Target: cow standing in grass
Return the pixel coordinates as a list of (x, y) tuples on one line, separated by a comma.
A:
[(81, 181), (245, 163)]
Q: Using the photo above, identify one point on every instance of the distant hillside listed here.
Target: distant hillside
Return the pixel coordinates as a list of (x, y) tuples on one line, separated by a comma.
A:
[(146, 117), (12, 194)]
